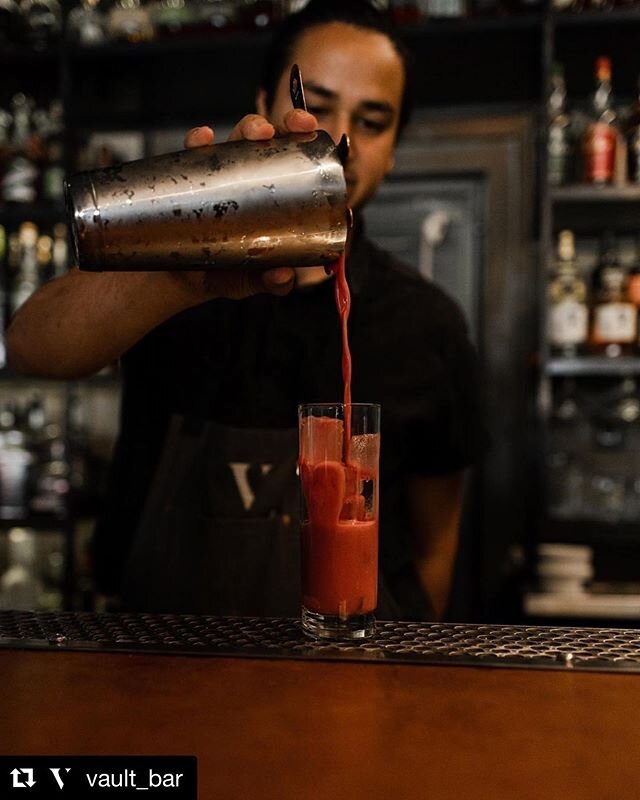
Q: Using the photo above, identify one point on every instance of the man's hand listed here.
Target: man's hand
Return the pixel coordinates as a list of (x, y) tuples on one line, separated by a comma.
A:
[(239, 283)]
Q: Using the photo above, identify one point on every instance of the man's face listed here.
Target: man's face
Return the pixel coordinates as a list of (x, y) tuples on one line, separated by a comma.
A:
[(353, 81)]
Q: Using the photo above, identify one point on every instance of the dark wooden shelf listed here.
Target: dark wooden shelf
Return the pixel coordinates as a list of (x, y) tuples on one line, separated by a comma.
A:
[(570, 19), (156, 47), (21, 54), (593, 366), (58, 384), (586, 530), (582, 193), (145, 123), (471, 25), (253, 38), (38, 522), (16, 213)]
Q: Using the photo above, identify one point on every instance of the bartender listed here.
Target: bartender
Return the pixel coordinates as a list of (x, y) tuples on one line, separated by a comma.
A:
[(202, 498)]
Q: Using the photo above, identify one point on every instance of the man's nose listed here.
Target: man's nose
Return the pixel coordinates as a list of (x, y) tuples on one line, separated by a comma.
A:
[(338, 126)]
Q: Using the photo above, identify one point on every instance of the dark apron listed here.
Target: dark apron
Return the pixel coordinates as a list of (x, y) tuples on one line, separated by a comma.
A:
[(219, 533)]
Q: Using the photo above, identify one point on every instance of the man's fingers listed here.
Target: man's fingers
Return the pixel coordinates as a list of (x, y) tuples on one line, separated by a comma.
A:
[(198, 137), (299, 121), (278, 280), (253, 127)]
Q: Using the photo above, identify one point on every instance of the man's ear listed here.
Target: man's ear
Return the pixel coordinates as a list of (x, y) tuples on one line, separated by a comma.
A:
[(261, 103)]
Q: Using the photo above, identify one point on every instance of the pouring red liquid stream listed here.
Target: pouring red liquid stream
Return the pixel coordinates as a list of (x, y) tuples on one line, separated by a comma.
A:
[(340, 539), (343, 303)]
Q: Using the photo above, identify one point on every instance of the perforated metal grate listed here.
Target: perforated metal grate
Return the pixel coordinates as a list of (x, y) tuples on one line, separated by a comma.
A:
[(411, 642)]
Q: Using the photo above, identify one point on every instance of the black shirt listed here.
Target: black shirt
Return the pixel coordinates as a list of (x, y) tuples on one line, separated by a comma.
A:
[(250, 363)]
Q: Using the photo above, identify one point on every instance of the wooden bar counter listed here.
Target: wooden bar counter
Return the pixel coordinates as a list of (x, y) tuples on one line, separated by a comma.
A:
[(280, 729)]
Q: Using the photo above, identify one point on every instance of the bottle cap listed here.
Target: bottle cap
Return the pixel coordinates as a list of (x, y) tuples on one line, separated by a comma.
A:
[(603, 68), (566, 246)]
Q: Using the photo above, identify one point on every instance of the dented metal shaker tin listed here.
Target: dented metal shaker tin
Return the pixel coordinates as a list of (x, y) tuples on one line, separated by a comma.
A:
[(280, 202)]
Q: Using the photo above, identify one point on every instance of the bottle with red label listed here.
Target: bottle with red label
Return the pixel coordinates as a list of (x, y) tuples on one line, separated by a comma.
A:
[(614, 323), (601, 135)]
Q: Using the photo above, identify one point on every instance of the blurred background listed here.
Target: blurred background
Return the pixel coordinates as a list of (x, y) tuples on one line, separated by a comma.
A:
[(517, 188)]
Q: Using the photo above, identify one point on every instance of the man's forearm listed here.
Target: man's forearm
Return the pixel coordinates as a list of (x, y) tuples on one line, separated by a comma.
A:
[(435, 572), (435, 506), (75, 325)]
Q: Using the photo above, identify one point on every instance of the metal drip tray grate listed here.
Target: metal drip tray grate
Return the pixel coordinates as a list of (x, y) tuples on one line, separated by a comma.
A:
[(409, 642)]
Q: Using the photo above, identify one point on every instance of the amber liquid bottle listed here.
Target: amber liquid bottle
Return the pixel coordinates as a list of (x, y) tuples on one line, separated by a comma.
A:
[(614, 322), (601, 136)]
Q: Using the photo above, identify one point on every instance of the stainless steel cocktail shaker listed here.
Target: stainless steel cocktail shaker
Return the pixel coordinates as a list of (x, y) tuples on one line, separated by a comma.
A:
[(280, 202)]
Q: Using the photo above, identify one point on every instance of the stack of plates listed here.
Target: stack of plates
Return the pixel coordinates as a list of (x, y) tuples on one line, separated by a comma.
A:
[(564, 568)]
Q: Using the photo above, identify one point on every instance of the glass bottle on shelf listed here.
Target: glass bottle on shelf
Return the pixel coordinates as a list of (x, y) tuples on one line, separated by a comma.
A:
[(44, 251), (60, 251), (10, 22), (559, 141), (632, 130), (42, 22), (567, 293), (633, 277), (53, 173), (600, 137), (15, 463), (172, 18), (218, 15), (20, 585), (3, 277), (86, 23), (565, 457), (614, 323), (442, 9), (26, 281), (407, 12), (130, 21), (261, 14), (20, 177)]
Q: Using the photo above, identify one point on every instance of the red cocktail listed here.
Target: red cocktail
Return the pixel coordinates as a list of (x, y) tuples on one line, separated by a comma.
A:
[(339, 472)]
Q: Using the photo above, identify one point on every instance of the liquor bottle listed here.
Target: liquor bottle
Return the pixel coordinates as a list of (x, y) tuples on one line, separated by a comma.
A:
[(218, 15), (130, 21), (53, 173), (60, 253), (559, 143), (487, 8), (15, 463), (260, 14), (438, 9), (600, 137), (19, 182), (20, 585), (632, 132), (564, 5), (3, 274), (568, 310), (173, 18), (565, 457), (44, 254), (614, 321), (407, 12), (87, 24), (26, 280), (10, 22), (42, 22)]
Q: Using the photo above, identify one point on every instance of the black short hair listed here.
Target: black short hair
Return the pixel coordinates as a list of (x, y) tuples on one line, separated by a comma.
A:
[(360, 14)]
